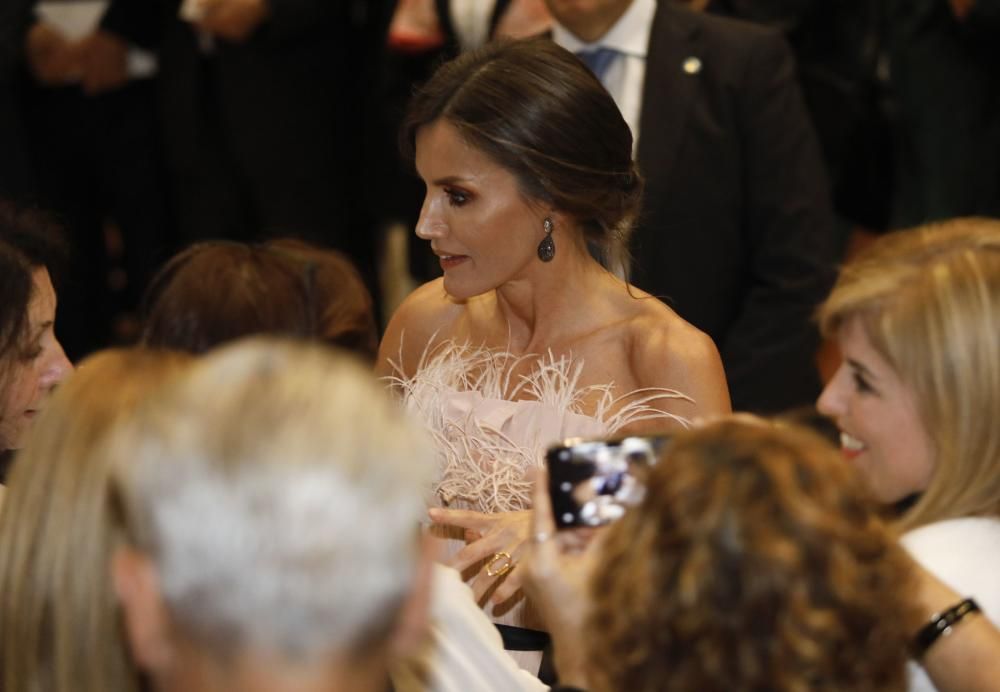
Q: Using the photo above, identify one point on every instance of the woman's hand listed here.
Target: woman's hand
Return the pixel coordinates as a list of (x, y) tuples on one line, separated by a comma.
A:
[(488, 536), (556, 576)]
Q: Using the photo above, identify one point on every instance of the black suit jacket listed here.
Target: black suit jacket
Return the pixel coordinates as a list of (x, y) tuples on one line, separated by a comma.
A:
[(15, 170), (736, 232), (259, 136)]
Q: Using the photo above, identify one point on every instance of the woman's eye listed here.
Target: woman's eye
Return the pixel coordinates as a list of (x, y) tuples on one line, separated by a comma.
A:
[(861, 384), (456, 198)]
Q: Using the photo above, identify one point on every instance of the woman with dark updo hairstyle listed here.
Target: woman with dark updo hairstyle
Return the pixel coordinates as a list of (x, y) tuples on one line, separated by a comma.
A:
[(527, 339)]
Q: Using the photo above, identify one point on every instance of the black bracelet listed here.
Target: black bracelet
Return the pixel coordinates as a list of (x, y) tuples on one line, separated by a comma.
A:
[(941, 623)]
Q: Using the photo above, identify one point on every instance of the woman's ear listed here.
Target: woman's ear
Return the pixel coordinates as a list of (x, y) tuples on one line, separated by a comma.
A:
[(147, 624)]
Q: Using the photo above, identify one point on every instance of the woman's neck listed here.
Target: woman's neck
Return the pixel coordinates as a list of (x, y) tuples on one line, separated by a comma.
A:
[(554, 300)]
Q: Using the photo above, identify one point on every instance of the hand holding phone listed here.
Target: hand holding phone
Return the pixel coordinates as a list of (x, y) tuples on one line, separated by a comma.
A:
[(593, 482), (557, 578)]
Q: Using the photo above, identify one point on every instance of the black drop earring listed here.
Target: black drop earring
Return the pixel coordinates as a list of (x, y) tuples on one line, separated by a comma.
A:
[(547, 248)]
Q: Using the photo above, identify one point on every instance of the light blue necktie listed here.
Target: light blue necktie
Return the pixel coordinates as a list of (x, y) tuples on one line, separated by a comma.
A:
[(598, 60)]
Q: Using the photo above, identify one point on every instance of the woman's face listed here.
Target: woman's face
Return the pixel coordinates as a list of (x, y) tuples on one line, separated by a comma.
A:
[(477, 221), (881, 430), (42, 367)]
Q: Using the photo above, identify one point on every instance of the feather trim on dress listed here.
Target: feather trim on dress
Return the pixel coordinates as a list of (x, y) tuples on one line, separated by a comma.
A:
[(491, 426)]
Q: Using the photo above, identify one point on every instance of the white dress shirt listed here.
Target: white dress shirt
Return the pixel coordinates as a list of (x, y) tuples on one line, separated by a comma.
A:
[(625, 76), (471, 21)]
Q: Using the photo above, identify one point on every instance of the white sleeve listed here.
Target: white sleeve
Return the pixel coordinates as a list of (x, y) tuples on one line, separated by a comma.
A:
[(965, 554), (464, 651)]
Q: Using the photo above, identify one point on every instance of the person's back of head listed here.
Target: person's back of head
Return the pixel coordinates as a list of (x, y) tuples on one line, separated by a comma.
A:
[(217, 291), (59, 624), (343, 308), (928, 300), (275, 493), (753, 562)]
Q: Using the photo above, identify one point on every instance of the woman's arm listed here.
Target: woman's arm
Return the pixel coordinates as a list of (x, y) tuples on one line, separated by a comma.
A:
[(968, 658)]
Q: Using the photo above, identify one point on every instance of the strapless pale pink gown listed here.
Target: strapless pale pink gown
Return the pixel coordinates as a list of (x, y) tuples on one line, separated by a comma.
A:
[(491, 427)]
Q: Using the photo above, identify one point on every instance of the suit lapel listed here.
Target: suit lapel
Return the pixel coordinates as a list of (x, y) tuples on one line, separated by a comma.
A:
[(668, 91)]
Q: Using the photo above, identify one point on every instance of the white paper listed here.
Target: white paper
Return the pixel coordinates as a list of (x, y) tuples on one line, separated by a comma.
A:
[(74, 20), (77, 19), (192, 10)]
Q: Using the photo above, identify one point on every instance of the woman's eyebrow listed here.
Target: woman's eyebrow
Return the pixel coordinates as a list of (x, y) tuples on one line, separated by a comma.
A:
[(42, 328), (861, 368), (450, 180)]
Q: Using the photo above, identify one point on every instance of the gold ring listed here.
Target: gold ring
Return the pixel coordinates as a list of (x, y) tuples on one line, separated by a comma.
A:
[(507, 566)]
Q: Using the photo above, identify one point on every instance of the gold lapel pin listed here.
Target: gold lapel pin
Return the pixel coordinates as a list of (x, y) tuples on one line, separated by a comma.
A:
[(692, 65)]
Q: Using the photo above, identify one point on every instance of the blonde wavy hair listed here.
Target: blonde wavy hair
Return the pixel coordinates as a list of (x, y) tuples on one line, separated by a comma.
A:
[(929, 302), (754, 562), (59, 623)]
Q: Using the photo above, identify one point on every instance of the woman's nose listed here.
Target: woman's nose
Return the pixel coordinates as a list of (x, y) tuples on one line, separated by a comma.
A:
[(57, 368), (831, 400), (430, 225)]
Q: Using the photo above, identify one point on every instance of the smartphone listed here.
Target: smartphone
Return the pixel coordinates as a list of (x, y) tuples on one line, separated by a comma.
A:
[(593, 482)]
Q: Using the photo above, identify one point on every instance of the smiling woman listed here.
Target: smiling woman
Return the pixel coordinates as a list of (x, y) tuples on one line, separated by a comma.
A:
[(527, 339), (918, 396)]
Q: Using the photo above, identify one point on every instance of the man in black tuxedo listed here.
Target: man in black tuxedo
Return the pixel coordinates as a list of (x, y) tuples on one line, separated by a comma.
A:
[(15, 170), (260, 114), (736, 232)]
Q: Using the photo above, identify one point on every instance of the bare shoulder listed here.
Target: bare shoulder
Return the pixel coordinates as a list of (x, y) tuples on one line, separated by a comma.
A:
[(426, 314), (667, 351)]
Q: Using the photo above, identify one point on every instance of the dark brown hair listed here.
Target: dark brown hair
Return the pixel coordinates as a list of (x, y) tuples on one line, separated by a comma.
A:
[(344, 312), (15, 296), (36, 235), (218, 291), (755, 562), (537, 111), (29, 240)]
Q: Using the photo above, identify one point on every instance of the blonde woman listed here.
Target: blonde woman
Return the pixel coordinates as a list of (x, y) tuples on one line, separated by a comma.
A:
[(59, 626), (917, 398)]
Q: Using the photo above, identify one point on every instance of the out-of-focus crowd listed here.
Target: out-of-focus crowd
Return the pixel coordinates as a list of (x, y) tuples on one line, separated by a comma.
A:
[(627, 219)]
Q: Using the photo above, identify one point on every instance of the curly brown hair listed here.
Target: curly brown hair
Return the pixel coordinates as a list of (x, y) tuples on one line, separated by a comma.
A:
[(755, 562)]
